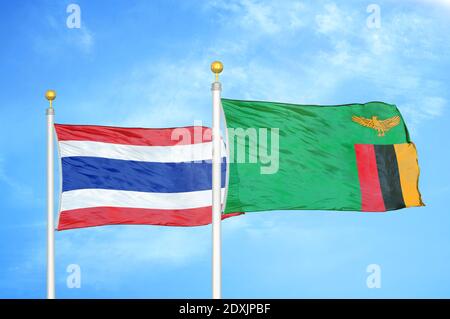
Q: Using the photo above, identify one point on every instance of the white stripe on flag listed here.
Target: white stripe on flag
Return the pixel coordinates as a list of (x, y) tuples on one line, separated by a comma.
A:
[(156, 154), (84, 198)]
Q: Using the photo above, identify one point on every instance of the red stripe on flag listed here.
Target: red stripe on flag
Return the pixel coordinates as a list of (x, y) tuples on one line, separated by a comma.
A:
[(371, 196), (134, 136), (99, 216)]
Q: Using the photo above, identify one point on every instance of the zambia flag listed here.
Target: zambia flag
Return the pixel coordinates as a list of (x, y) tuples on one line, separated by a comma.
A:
[(354, 157)]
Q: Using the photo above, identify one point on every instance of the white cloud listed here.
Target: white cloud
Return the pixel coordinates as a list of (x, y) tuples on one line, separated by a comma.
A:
[(262, 17), (434, 106), (332, 20), (444, 3), (315, 53), (338, 52), (169, 94), (332, 52), (420, 109), (59, 38), (84, 39)]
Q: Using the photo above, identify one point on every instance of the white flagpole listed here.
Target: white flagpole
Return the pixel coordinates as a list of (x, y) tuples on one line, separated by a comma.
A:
[(216, 68), (50, 95)]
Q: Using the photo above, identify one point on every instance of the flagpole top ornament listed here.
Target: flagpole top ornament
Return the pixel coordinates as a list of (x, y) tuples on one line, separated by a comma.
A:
[(50, 95), (217, 68)]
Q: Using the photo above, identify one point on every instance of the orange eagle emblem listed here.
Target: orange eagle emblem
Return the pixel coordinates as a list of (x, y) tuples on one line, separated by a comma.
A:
[(381, 126)]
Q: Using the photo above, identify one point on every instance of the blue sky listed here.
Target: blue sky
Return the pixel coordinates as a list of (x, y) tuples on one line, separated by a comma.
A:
[(146, 63)]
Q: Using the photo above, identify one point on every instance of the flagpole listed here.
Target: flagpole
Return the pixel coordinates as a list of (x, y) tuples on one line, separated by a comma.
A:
[(216, 88), (50, 95)]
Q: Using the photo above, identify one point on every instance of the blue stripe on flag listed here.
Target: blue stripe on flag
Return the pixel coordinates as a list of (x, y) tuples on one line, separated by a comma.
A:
[(104, 173)]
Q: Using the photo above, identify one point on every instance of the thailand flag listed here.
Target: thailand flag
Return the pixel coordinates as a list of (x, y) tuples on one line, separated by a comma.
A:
[(113, 175)]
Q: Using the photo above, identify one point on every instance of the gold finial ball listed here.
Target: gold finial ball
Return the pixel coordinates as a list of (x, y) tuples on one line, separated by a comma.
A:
[(216, 67), (50, 95)]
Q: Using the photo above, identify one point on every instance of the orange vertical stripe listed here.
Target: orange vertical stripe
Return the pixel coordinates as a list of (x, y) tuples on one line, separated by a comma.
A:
[(409, 173)]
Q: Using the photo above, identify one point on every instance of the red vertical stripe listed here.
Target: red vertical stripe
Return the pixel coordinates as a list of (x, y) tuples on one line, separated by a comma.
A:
[(371, 196)]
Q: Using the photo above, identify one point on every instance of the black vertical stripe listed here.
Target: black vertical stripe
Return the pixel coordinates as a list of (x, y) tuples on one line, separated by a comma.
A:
[(389, 177)]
